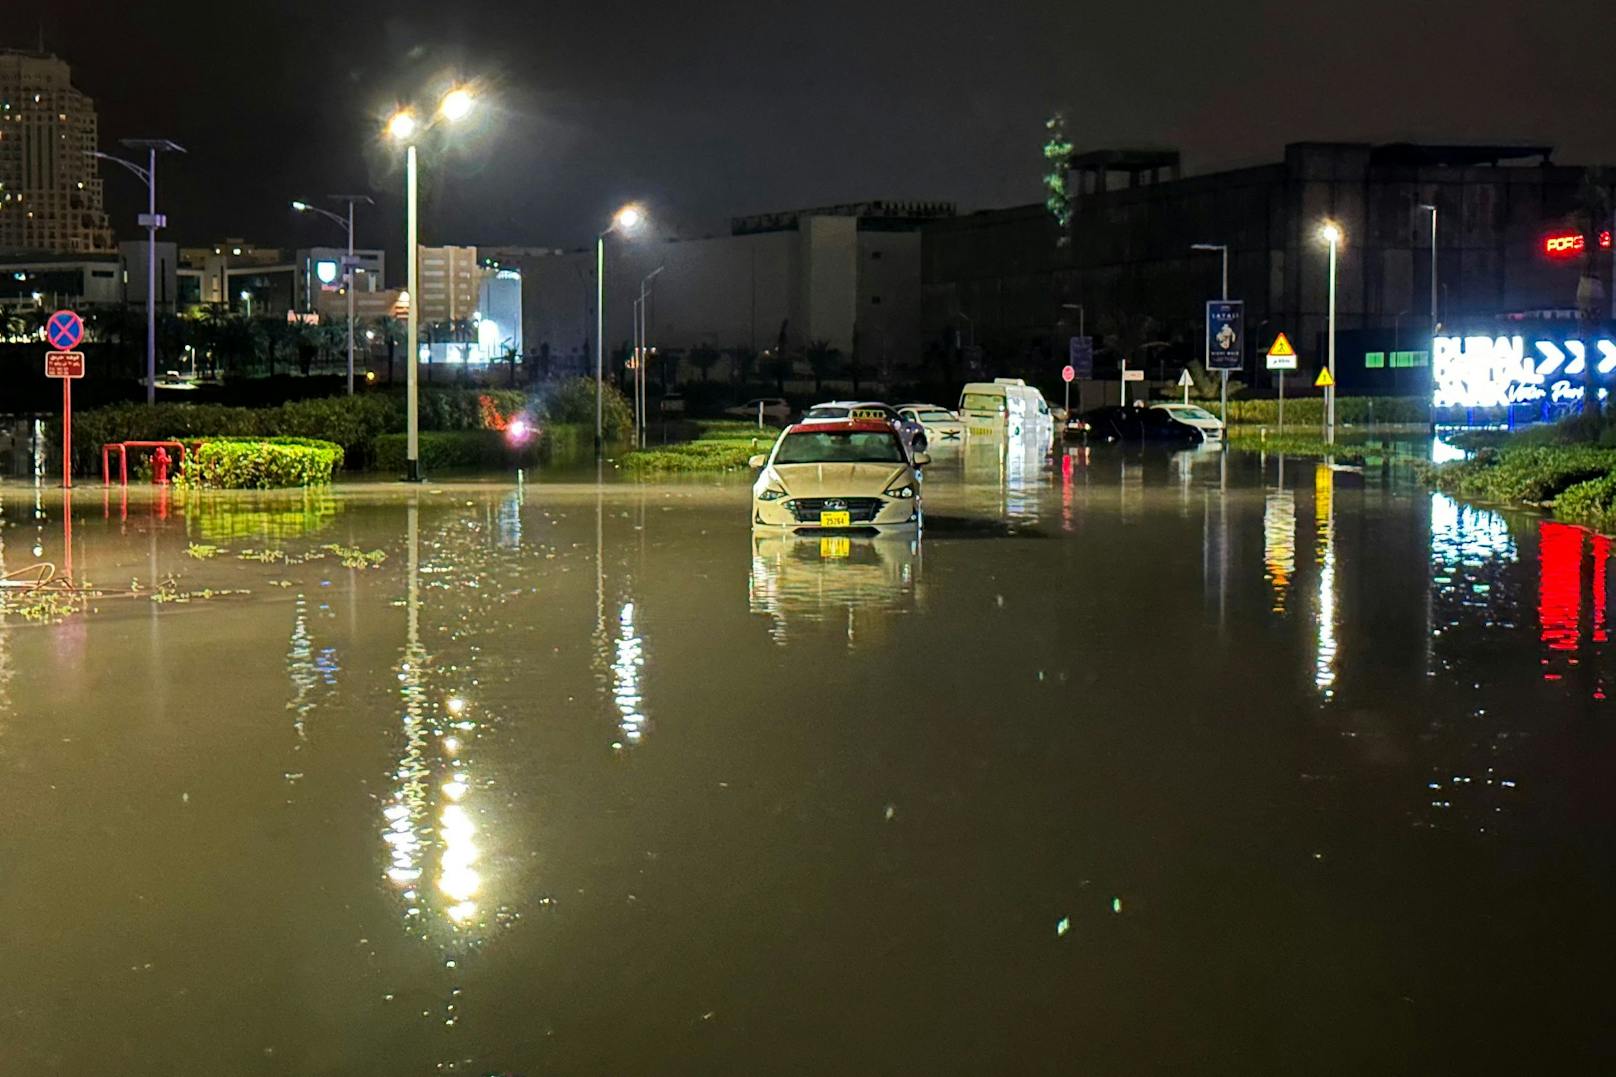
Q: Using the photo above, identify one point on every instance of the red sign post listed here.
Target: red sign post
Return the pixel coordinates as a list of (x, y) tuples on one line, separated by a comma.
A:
[(65, 330)]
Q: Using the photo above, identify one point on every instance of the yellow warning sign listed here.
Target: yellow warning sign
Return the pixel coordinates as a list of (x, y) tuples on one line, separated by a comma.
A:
[(1282, 356), (1324, 380)]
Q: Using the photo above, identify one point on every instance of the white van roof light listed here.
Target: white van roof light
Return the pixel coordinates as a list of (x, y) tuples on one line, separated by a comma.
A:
[(1008, 381)]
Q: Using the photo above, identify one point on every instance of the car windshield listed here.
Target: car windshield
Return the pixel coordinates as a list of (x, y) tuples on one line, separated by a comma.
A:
[(1193, 412), (982, 402), (935, 415), (825, 413), (841, 447)]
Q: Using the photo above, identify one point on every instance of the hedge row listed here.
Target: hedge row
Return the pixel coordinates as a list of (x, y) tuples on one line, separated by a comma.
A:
[(455, 450), (356, 423), (1350, 410)]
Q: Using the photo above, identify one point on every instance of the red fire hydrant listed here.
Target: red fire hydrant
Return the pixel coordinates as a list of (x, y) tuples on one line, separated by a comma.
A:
[(160, 466)]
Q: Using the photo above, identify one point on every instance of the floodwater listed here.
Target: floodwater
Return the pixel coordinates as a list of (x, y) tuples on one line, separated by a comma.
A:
[(1132, 763)]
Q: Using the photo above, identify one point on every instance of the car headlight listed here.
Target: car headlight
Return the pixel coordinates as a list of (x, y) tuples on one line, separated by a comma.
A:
[(773, 493), (906, 490)]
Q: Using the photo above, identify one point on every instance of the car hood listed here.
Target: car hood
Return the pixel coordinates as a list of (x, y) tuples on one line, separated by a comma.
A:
[(838, 480)]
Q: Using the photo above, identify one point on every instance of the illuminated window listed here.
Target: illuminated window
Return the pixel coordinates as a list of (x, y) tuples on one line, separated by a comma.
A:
[(1409, 360), (1374, 360)]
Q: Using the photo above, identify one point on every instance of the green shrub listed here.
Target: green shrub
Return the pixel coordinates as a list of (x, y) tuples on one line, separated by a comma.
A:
[(454, 450), (721, 447), (1592, 503), (573, 401), (260, 463), (1532, 475)]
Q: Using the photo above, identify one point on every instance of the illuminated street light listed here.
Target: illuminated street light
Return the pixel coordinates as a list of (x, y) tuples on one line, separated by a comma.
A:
[(1331, 234), (347, 224), (456, 104), (403, 127), (627, 219)]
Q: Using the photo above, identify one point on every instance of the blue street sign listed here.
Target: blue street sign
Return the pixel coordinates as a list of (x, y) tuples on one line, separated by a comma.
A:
[(1080, 354), (1225, 334), (64, 330)]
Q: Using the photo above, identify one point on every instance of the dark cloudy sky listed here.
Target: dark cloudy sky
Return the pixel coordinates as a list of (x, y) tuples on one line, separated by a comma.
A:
[(708, 108)]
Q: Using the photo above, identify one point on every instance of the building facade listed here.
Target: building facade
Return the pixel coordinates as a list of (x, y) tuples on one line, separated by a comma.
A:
[(50, 186), (1515, 234), (846, 276), (449, 279)]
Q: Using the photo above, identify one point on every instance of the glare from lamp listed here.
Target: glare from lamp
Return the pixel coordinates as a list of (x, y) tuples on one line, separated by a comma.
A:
[(1331, 232), (402, 125), (456, 104), (629, 218)]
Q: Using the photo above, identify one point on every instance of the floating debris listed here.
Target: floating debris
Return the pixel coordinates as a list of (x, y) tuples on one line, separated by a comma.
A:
[(201, 551)]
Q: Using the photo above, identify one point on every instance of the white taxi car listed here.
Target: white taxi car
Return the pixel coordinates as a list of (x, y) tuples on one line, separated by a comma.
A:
[(943, 428), (838, 476)]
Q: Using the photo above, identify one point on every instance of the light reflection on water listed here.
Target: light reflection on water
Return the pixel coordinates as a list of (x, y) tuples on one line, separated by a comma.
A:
[(1324, 671), (626, 678), (853, 583)]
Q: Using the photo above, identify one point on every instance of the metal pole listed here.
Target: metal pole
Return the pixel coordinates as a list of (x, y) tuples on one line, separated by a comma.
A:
[(1329, 392), (67, 433), (151, 277), (1223, 406), (600, 327), (351, 297), (1124, 382), (635, 371), (1434, 320), (412, 252), (1282, 401)]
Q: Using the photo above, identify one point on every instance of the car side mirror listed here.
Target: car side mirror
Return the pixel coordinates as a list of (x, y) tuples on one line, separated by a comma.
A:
[(756, 462), (922, 459)]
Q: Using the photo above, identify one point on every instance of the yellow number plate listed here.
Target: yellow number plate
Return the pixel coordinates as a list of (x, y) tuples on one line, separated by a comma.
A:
[(835, 519), (981, 431), (835, 547)]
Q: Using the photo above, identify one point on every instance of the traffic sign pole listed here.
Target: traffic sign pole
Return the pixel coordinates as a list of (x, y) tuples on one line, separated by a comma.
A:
[(65, 330), (1282, 401), (67, 433)]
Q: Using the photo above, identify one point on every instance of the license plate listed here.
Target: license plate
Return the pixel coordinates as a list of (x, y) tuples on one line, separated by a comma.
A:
[(835, 519), (835, 547), (981, 431)]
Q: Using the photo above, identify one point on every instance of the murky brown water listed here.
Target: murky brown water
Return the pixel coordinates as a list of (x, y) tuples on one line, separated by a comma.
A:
[(1138, 764)]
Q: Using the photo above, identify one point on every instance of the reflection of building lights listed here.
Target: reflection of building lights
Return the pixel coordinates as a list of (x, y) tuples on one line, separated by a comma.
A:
[(1324, 515)]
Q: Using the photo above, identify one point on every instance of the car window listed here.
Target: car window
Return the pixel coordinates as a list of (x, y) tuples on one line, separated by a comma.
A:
[(936, 415), (982, 402), (825, 413), (841, 447)]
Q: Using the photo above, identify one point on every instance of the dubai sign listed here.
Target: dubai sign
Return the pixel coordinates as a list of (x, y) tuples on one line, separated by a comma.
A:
[(1494, 372)]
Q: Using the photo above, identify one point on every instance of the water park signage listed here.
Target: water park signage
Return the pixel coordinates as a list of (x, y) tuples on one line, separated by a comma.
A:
[(1494, 372)]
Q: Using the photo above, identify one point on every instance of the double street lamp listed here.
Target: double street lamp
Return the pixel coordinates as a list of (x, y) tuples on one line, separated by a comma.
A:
[(404, 127), (151, 221), (627, 219), (348, 265)]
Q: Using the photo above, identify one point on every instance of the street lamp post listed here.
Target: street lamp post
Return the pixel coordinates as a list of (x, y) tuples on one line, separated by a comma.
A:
[(404, 127), (151, 222), (246, 297), (1223, 397), (1434, 320), (628, 218), (346, 223), (1331, 233)]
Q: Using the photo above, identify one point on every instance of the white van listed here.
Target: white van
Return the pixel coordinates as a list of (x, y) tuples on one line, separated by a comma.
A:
[(1006, 408)]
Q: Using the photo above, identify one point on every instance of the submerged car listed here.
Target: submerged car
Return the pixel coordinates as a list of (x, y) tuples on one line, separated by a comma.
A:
[(1139, 424), (943, 427), (773, 407), (838, 476), (914, 434), (1210, 426)]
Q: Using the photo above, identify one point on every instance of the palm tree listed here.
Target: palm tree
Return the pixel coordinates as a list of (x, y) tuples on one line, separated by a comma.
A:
[(823, 360), (745, 360)]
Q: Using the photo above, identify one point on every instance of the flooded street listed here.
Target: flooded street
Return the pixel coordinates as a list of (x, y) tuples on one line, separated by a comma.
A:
[(1130, 763)]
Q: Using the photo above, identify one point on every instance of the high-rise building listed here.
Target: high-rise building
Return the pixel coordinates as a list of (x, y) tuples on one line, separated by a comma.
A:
[(50, 187), (449, 280)]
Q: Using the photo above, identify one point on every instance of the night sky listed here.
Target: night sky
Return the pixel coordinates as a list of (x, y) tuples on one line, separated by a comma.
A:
[(708, 109)]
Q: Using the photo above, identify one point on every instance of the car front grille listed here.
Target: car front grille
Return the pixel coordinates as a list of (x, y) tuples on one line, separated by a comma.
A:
[(858, 509)]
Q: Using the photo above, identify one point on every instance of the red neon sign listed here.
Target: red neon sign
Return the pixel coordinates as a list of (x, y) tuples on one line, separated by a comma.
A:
[(1604, 240), (1564, 244)]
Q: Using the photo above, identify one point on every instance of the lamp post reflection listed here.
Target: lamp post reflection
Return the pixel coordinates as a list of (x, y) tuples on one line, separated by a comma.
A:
[(1324, 555)]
